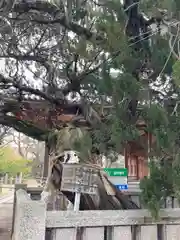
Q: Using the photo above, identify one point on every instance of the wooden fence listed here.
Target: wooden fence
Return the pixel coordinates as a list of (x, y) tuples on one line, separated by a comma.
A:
[(34, 222)]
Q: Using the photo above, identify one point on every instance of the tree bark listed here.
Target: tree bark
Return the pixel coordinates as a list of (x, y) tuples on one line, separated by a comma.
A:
[(46, 162)]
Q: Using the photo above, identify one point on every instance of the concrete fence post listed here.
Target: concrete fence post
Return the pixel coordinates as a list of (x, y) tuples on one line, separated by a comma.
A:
[(16, 188), (6, 179), (30, 218)]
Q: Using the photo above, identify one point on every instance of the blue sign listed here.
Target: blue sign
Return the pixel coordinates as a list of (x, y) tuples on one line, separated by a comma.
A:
[(122, 187)]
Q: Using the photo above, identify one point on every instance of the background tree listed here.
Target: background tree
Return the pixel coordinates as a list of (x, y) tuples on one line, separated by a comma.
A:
[(121, 54), (29, 149), (12, 163), (4, 132)]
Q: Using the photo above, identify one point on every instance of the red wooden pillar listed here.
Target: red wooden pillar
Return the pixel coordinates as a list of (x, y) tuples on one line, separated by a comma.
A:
[(146, 162), (137, 167), (146, 169)]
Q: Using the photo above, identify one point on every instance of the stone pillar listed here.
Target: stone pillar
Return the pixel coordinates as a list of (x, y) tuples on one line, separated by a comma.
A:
[(16, 188), (6, 179), (1, 180), (30, 218), (11, 180), (19, 178)]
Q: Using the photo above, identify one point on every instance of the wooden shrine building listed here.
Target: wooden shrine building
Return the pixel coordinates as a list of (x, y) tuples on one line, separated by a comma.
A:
[(136, 153), (44, 116)]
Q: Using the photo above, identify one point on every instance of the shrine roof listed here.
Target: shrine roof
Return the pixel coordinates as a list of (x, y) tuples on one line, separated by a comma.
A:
[(42, 110), (46, 115)]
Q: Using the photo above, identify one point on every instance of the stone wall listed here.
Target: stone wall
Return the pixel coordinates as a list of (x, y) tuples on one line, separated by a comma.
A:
[(114, 225), (33, 222)]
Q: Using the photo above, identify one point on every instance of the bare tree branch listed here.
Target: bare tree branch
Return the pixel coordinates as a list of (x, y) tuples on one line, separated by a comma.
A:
[(7, 82)]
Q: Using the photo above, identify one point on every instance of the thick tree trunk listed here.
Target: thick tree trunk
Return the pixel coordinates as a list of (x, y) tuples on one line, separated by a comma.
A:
[(116, 201), (108, 197)]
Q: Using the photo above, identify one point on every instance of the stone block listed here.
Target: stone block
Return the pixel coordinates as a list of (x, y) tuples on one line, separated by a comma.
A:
[(30, 218)]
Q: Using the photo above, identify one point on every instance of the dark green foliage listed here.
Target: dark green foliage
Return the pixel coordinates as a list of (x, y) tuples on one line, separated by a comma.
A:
[(109, 60), (157, 187)]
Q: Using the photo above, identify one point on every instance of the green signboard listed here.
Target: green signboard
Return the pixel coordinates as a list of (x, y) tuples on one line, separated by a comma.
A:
[(116, 172)]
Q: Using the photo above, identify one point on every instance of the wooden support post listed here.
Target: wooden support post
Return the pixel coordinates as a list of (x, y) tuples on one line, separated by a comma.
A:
[(126, 156), (46, 162), (46, 156), (148, 153), (77, 201), (137, 167)]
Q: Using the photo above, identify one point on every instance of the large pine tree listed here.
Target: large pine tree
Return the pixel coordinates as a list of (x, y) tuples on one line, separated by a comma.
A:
[(105, 53)]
